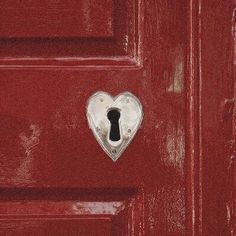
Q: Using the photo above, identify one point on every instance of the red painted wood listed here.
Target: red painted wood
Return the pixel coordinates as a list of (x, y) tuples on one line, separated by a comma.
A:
[(176, 57), (210, 120), (232, 208), (34, 30), (50, 19), (216, 130), (60, 227)]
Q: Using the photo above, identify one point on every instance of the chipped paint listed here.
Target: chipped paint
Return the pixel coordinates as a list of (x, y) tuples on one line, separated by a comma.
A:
[(136, 218), (175, 145), (96, 208), (125, 42), (66, 117), (110, 24), (172, 215), (177, 84), (29, 144), (87, 15)]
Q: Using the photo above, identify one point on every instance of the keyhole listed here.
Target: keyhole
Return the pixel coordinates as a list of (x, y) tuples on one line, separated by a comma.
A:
[(114, 116)]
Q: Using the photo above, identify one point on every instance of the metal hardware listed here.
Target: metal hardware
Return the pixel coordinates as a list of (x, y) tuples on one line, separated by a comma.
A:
[(114, 120)]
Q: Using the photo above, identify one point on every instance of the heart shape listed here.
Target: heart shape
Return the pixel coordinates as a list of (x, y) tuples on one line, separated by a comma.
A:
[(130, 117)]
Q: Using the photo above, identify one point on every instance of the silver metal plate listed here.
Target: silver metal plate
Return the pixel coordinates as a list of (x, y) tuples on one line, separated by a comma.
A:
[(131, 115)]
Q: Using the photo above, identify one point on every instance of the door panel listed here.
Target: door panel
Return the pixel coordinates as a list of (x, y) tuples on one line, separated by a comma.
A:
[(67, 32), (54, 177), (56, 19), (51, 165)]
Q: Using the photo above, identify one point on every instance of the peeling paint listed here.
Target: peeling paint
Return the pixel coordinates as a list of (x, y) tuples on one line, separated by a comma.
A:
[(166, 206), (175, 145), (136, 215), (110, 24), (67, 117), (96, 208), (29, 144), (87, 15), (177, 84), (126, 42)]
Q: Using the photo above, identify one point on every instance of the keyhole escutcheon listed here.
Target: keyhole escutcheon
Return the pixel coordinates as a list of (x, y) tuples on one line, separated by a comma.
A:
[(113, 116)]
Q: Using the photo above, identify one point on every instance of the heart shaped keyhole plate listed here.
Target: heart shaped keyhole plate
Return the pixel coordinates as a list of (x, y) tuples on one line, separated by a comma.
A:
[(114, 120)]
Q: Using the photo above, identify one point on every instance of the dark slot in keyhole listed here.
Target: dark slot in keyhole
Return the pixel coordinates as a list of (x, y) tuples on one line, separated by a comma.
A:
[(114, 116)]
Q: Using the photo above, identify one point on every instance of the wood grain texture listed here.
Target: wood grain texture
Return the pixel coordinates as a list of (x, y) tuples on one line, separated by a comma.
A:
[(193, 151), (232, 166), (165, 200), (216, 86), (210, 88)]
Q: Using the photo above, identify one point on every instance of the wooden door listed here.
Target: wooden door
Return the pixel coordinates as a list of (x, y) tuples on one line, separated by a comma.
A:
[(176, 57)]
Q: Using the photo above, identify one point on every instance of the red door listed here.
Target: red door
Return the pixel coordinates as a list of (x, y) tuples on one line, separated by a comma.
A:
[(175, 57)]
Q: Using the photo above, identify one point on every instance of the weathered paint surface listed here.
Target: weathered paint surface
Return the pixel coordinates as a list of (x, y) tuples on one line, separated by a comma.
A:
[(86, 18), (176, 57)]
